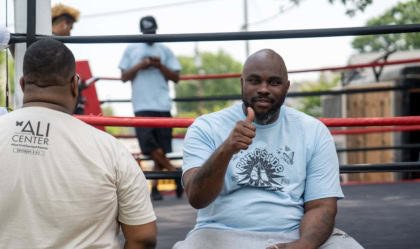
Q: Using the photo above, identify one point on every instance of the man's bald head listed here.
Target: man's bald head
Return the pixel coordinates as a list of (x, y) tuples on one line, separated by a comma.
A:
[(264, 84), (266, 58)]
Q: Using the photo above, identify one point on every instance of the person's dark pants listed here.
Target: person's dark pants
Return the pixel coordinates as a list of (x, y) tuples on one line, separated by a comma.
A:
[(151, 139)]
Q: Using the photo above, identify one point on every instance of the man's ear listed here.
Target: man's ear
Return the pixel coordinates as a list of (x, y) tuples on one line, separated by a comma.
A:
[(74, 87), (22, 83)]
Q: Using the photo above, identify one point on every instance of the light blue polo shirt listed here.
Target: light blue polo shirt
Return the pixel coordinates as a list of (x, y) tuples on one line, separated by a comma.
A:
[(289, 162), (150, 90)]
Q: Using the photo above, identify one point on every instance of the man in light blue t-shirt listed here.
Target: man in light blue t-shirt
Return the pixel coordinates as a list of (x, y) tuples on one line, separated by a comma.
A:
[(261, 174), (149, 66)]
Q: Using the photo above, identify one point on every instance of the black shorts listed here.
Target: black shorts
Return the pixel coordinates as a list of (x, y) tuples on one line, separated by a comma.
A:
[(151, 139)]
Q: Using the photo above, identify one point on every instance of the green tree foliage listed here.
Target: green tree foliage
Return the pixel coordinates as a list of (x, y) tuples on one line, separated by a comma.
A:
[(3, 78), (352, 6), (113, 130), (2, 94), (211, 63), (312, 105), (402, 13)]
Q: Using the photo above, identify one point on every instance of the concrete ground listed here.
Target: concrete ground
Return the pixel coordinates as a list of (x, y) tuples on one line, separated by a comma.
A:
[(378, 216)]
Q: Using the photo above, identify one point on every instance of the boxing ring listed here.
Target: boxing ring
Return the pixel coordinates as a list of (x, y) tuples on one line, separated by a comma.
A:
[(402, 123), (365, 203)]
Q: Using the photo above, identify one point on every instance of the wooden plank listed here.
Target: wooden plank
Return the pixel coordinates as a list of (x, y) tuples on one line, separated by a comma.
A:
[(376, 104)]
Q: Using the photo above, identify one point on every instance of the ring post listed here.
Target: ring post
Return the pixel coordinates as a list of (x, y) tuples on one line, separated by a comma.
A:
[(42, 27)]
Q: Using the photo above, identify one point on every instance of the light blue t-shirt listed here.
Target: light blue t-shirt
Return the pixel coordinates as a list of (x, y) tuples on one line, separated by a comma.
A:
[(289, 162), (150, 90)]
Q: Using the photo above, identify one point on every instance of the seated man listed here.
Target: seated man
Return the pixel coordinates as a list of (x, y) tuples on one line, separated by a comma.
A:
[(63, 183), (262, 175)]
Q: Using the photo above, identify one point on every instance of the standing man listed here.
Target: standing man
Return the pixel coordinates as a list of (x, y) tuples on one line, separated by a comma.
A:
[(63, 18), (63, 183), (149, 66), (262, 175)]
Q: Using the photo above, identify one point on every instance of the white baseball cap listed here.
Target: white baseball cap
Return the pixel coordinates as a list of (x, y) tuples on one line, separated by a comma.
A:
[(4, 37)]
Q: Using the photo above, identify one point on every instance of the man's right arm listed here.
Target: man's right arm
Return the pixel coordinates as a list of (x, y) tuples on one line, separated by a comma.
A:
[(140, 236), (131, 73), (204, 184), (135, 210)]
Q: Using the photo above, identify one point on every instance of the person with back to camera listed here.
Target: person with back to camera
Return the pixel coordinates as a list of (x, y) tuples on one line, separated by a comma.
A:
[(63, 183), (261, 174), (149, 66)]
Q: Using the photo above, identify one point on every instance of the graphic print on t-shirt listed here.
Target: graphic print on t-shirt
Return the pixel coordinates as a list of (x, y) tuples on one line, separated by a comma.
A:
[(262, 169), (31, 137)]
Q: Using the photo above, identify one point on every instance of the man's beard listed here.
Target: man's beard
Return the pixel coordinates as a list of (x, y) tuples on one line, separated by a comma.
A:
[(263, 118)]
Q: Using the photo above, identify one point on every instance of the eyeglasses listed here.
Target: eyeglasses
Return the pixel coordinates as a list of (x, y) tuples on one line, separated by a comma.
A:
[(76, 75)]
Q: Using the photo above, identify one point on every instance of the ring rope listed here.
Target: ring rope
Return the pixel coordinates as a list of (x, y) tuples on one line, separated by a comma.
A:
[(348, 168), (289, 94), (186, 122), (141, 157), (237, 75), (230, 36), (374, 130)]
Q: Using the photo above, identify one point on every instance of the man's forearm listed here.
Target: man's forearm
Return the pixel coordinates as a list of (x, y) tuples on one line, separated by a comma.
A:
[(316, 226), (131, 73), (169, 74), (207, 182)]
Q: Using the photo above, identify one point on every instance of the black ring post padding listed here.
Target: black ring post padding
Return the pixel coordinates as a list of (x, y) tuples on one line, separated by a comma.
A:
[(234, 36), (350, 91), (169, 158), (351, 168), (400, 147), (30, 22), (290, 94), (383, 167), (154, 175)]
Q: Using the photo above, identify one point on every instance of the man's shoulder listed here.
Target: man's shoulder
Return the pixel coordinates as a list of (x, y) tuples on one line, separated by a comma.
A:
[(99, 134), (162, 46), (293, 115), (135, 46), (220, 118), (227, 112), (165, 49), (306, 123)]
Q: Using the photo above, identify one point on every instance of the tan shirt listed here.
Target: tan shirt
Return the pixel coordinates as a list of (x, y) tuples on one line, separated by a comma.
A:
[(65, 184)]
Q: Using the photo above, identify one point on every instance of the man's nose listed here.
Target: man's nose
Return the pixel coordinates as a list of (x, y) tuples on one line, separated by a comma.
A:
[(263, 88)]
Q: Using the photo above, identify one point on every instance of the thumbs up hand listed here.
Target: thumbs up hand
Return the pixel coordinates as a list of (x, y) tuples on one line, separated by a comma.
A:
[(250, 116), (242, 134)]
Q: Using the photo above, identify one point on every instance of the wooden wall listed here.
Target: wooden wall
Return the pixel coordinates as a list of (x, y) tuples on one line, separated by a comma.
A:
[(376, 104)]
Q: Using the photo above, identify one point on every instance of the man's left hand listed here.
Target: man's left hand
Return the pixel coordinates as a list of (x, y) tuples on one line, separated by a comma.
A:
[(298, 244)]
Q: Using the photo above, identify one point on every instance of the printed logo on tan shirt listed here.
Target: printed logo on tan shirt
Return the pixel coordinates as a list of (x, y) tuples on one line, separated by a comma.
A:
[(31, 138)]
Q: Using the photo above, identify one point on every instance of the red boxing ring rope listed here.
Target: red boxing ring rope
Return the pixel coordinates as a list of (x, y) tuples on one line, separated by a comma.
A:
[(186, 122)]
